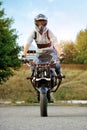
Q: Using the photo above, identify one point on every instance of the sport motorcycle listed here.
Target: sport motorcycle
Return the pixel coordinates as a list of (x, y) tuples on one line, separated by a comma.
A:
[(44, 80)]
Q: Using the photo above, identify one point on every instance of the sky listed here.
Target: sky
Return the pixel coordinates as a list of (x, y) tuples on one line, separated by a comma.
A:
[(65, 17)]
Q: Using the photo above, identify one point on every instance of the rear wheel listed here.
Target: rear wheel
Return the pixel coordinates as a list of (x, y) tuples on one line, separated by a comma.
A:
[(43, 104)]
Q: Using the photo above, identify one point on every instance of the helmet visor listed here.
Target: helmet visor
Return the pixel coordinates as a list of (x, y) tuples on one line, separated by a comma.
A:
[(41, 22)]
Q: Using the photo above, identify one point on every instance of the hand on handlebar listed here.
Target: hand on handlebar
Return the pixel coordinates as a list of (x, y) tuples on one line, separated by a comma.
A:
[(23, 59), (62, 57)]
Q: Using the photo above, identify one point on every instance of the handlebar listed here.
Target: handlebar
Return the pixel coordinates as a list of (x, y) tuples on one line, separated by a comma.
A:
[(35, 63)]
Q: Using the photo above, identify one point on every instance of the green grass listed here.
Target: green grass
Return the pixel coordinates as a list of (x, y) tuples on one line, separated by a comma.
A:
[(74, 86)]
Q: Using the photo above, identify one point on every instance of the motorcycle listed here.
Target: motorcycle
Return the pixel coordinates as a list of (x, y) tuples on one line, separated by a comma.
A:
[(44, 80)]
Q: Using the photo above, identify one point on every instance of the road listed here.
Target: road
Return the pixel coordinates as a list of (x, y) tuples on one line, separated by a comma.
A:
[(28, 118)]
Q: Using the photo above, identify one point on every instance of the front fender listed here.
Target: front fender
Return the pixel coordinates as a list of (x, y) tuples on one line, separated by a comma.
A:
[(43, 90)]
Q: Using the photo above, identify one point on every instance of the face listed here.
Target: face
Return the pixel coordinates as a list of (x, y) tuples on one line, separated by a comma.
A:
[(41, 22)]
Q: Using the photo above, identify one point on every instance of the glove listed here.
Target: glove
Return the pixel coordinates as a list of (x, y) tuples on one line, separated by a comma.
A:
[(62, 57), (23, 59)]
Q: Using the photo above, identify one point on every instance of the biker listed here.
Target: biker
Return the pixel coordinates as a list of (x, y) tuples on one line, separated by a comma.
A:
[(45, 40)]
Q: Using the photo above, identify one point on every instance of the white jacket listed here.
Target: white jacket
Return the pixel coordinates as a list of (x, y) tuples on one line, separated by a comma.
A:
[(42, 39)]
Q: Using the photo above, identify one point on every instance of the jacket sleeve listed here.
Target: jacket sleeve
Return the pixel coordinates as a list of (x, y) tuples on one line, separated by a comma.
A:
[(30, 38), (53, 39)]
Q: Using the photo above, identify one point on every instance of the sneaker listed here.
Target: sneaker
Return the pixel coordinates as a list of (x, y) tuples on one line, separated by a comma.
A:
[(60, 76)]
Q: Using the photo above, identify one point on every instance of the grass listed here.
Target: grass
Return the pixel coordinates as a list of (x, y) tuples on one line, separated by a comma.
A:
[(18, 87), (74, 86)]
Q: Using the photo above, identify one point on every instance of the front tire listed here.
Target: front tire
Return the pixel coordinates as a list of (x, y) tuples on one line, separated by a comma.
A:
[(43, 104)]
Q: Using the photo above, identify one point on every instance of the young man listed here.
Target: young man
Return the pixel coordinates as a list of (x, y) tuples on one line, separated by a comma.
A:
[(45, 40)]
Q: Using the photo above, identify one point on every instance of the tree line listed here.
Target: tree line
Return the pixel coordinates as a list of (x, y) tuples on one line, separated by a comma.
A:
[(76, 52), (9, 48)]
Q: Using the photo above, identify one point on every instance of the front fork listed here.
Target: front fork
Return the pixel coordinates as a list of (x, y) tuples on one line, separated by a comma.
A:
[(45, 91)]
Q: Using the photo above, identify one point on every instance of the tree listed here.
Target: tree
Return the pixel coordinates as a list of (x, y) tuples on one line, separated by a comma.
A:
[(69, 51), (9, 48), (81, 46)]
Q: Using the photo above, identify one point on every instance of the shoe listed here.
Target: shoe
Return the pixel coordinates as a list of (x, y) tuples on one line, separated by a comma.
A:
[(60, 76)]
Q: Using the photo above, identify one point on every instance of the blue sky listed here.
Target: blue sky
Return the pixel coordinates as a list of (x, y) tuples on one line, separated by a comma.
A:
[(65, 17)]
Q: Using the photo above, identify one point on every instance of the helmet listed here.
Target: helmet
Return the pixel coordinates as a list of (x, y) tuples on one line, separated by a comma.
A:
[(40, 17)]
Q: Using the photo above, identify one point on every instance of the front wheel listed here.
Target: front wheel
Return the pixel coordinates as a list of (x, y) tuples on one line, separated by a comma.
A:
[(43, 104)]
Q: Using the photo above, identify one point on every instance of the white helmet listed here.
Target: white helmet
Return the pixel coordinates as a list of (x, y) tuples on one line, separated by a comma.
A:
[(41, 17)]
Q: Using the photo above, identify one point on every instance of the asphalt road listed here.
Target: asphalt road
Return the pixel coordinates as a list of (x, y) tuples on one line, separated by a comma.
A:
[(28, 118)]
